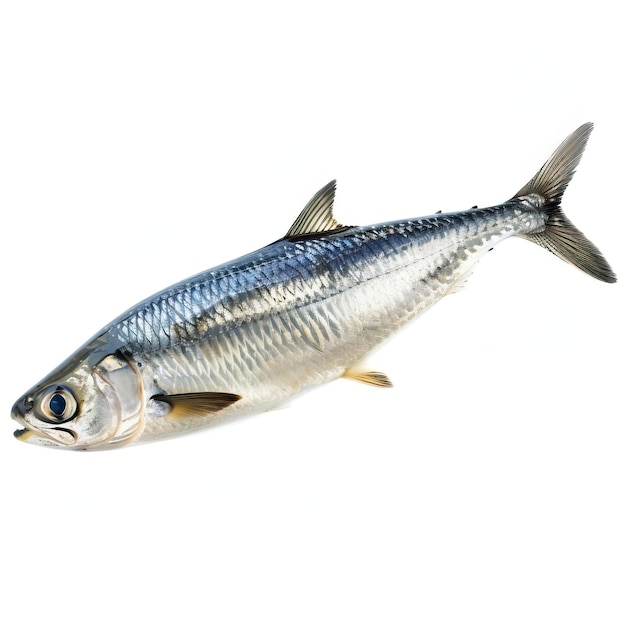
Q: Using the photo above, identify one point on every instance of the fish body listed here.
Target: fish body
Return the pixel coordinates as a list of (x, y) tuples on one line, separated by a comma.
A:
[(245, 336)]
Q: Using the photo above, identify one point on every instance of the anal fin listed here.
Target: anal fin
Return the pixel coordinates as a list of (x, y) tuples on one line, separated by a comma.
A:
[(377, 379), (197, 404)]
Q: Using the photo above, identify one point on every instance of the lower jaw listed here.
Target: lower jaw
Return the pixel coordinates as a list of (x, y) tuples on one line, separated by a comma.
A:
[(31, 436)]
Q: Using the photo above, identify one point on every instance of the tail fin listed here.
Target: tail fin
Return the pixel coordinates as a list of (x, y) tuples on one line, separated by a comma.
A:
[(560, 236)]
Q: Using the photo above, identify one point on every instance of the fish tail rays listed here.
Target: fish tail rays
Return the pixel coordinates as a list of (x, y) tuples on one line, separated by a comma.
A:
[(544, 193)]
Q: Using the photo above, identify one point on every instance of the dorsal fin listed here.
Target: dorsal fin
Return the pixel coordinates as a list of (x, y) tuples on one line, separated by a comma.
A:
[(317, 215)]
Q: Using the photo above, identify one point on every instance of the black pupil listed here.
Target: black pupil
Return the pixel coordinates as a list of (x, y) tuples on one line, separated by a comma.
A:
[(58, 404)]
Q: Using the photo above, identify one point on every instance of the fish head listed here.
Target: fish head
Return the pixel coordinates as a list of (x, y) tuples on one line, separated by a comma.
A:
[(93, 400)]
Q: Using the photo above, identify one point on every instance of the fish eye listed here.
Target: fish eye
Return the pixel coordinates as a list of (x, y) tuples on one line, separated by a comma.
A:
[(57, 404)]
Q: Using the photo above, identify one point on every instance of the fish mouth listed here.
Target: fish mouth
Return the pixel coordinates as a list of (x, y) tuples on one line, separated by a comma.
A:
[(22, 434), (51, 437), (18, 413), (33, 436)]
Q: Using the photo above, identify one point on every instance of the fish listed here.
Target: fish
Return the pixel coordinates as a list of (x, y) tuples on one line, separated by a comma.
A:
[(245, 336)]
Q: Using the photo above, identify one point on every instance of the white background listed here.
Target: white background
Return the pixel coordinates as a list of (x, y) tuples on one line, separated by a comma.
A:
[(142, 142)]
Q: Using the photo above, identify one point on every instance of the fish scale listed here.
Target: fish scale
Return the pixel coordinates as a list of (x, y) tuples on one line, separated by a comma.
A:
[(307, 309), (389, 291)]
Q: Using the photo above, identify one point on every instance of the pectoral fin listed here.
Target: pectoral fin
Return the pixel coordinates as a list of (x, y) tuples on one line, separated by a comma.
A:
[(377, 379), (197, 404)]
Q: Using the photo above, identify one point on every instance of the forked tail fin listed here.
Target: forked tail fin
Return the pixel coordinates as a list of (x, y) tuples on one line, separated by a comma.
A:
[(545, 191)]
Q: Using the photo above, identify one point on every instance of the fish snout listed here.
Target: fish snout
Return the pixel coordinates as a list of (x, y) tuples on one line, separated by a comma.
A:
[(22, 408)]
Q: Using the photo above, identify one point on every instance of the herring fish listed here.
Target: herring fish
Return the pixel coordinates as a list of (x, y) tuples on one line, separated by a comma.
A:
[(247, 335)]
